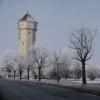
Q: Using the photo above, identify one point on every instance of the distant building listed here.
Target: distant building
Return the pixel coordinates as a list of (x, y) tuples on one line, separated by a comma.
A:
[(27, 27)]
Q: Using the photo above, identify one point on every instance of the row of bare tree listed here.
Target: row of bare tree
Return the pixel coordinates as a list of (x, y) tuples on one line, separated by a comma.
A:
[(39, 63), (56, 65)]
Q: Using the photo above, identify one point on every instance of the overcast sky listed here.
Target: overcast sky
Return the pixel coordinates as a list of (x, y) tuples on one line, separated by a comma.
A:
[(56, 19)]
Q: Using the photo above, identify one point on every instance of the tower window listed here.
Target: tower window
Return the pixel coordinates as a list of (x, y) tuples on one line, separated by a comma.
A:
[(29, 33), (23, 43)]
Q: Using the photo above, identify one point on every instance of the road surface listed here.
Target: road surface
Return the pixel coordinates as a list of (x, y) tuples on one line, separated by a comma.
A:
[(15, 90)]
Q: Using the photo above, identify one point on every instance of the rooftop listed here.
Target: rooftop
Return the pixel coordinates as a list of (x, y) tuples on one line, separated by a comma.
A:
[(27, 17)]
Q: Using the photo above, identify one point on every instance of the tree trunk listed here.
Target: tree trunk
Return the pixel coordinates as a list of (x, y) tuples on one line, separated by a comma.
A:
[(66, 77), (78, 77), (39, 74), (14, 74), (83, 73), (35, 76), (28, 71), (58, 78), (20, 74)]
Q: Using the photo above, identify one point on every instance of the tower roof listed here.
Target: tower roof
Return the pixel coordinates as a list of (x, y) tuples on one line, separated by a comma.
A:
[(27, 17)]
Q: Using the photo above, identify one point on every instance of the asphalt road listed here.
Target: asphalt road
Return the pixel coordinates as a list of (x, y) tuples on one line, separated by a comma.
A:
[(14, 90)]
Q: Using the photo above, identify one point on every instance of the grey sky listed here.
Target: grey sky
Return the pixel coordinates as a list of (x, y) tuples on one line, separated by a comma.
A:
[(56, 18)]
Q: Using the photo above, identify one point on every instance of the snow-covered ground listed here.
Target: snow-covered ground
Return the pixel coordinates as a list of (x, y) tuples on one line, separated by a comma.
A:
[(91, 85), (72, 82)]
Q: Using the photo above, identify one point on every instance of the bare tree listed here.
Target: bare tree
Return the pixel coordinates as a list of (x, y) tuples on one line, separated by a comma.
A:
[(30, 67), (65, 66), (65, 72), (57, 63), (60, 66), (40, 58), (20, 64), (82, 41), (7, 62), (53, 73), (92, 72), (77, 71)]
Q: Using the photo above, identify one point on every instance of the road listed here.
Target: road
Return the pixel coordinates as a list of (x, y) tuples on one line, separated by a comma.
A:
[(15, 90)]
